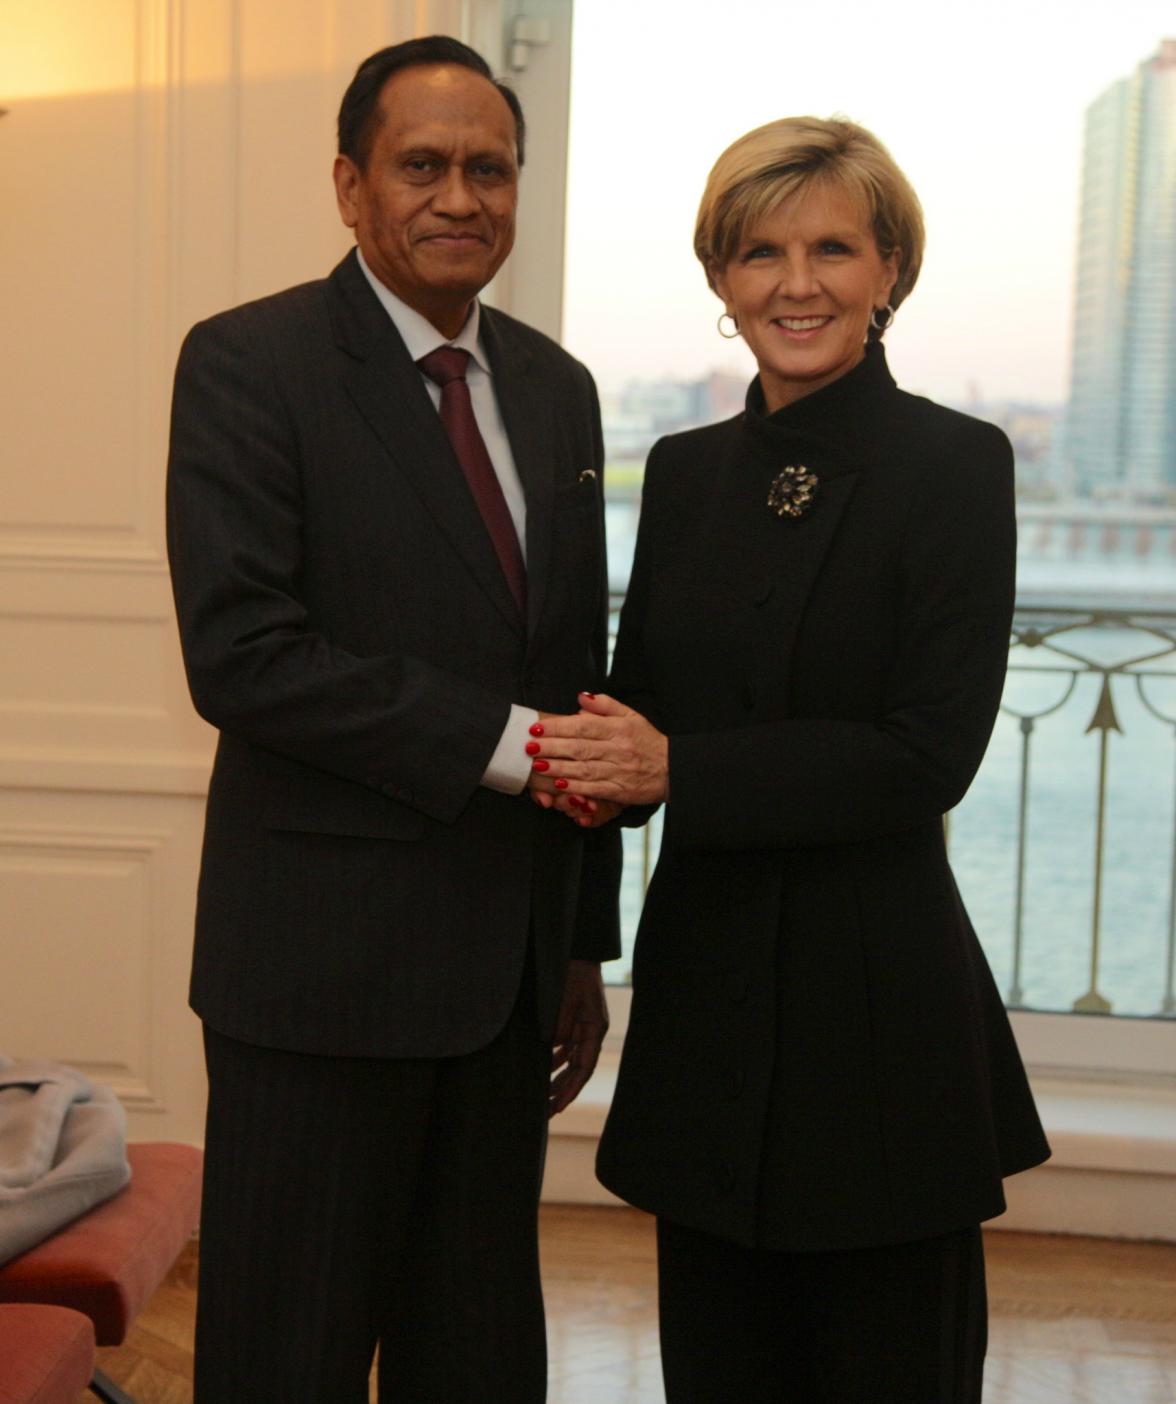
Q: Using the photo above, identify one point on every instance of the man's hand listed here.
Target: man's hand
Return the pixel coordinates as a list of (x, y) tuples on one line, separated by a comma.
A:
[(579, 1033), (606, 752), (543, 792), (589, 814)]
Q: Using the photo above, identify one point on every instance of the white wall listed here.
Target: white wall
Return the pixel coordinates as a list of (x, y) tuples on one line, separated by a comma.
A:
[(160, 160)]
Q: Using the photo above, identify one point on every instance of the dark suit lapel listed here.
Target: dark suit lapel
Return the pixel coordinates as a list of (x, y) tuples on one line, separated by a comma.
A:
[(780, 558), (388, 391), (527, 416), (834, 433), (794, 569)]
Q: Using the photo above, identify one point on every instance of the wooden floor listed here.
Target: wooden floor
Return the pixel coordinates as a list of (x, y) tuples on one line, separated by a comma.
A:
[(1073, 1320)]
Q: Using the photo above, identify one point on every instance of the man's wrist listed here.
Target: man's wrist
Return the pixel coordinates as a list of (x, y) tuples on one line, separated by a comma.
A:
[(509, 767)]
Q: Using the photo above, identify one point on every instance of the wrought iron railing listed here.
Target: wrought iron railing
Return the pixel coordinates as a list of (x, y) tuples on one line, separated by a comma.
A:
[(1117, 670), (1065, 848)]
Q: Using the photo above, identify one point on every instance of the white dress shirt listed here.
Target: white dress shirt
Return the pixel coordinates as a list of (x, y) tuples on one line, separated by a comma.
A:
[(510, 766)]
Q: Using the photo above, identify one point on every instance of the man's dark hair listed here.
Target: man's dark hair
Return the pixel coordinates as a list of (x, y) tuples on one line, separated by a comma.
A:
[(359, 114)]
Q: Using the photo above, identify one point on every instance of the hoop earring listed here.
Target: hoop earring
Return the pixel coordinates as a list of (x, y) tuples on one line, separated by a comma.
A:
[(728, 336), (875, 315)]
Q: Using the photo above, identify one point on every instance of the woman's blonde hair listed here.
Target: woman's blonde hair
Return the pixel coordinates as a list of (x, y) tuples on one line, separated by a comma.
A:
[(774, 162)]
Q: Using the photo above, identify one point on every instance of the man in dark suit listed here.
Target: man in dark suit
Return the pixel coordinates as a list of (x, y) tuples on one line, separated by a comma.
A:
[(385, 528)]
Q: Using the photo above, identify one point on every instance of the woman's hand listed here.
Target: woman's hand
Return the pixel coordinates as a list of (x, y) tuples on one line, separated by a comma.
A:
[(607, 752), (587, 813)]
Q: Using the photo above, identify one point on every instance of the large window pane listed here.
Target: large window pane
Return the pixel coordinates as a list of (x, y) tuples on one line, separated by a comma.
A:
[(1042, 142)]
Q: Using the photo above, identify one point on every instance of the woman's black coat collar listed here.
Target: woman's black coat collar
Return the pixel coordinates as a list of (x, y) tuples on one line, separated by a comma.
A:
[(836, 424)]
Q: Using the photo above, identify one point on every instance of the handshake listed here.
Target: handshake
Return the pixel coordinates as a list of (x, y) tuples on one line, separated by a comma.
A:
[(590, 765)]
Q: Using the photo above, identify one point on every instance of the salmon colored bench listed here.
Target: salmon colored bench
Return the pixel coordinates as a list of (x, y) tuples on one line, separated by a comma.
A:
[(109, 1262), (46, 1354)]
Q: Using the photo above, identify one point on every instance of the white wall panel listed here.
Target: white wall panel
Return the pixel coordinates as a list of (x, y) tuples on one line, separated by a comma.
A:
[(57, 889), (96, 896), (69, 160), (160, 160)]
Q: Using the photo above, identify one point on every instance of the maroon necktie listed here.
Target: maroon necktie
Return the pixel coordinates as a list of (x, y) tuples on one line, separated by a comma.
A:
[(446, 367)]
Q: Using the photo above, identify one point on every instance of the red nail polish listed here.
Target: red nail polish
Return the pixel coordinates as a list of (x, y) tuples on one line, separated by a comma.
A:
[(561, 784), (540, 765), (532, 748), (536, 729), (589, 694)]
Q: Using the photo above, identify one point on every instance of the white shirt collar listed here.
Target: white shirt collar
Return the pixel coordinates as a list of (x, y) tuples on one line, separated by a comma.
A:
[(419, 335)]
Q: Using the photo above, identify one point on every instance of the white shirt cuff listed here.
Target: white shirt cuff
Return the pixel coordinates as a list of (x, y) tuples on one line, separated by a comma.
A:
[(510, 766)]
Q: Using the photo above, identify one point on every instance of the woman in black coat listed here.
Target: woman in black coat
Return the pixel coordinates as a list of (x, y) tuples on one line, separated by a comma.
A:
[(820, 1092)]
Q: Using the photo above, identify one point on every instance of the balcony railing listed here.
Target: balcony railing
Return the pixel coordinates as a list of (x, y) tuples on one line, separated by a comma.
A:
[(1065, 847)]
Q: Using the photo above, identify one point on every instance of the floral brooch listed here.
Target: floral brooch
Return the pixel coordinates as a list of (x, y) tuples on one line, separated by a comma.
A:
[(792, 491)]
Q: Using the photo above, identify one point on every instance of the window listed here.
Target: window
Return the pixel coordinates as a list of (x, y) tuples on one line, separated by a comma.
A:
[(1041, 140)]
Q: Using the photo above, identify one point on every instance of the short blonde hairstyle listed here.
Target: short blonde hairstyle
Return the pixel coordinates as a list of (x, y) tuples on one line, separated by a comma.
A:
[(777, 161)]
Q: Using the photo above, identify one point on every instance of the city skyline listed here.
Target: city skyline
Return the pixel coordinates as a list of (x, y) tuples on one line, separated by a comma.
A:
[(986, 119), (1120, 430)]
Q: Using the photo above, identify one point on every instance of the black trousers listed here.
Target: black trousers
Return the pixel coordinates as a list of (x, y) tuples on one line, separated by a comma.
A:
[(905, 1324), (352, 1201)]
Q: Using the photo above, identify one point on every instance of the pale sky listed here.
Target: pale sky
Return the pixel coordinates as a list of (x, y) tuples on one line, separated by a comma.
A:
[(981, 104)]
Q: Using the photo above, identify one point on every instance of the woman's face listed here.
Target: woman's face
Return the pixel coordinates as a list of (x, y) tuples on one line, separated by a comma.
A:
[(802, 285)]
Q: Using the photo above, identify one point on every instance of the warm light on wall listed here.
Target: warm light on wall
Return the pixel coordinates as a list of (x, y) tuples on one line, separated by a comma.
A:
[(75, 48), (52, 50)]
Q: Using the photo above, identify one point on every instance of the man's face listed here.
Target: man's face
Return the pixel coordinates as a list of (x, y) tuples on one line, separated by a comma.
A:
[(434, 208)]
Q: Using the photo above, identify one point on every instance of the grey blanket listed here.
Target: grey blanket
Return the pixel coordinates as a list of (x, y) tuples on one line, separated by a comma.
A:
[(62, 1150)]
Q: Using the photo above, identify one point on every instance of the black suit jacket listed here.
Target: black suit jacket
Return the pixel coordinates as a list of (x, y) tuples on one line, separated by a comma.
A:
[(817, 1057), (346, 625)]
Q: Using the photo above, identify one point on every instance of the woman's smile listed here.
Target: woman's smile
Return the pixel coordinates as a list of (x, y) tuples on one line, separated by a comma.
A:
[(801, 328)]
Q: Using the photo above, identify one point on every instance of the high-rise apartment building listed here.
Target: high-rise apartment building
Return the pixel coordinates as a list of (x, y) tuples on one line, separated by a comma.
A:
[(1121, 419)]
